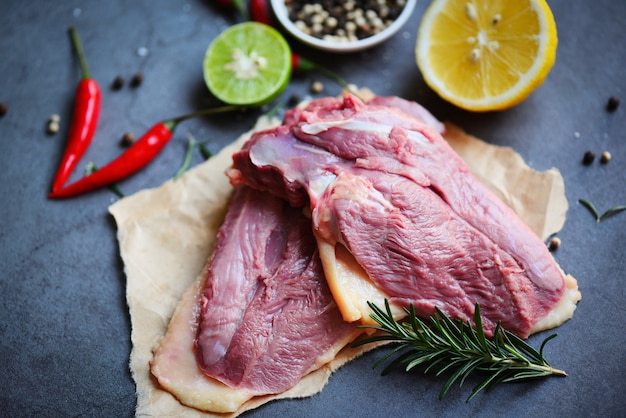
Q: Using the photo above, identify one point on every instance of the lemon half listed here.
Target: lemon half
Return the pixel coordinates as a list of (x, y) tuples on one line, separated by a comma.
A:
[(485, 55)]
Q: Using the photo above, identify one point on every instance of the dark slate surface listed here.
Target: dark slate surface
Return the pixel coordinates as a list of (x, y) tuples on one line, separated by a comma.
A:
[(64, 328)]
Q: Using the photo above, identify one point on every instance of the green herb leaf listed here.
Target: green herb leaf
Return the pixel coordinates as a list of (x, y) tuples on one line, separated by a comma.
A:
[(612, 211), (456, 347), (608, 213), (591, 208), (191, 144), (206, 153)]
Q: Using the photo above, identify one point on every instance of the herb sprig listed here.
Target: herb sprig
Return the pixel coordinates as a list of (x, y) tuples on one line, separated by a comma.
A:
[(192, 144), (454, 346), (609, 212)]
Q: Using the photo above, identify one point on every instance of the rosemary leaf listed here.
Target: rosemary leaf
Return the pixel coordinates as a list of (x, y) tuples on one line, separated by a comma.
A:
[(456, 348), (608, 213), (191, 144), (591, 208), (612, 211), (206, 153)]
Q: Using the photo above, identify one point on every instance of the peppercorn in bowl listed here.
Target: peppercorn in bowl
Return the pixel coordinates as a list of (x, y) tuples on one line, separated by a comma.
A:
[(343, 26)]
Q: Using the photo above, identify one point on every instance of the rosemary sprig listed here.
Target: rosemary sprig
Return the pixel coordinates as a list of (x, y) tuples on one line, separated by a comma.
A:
[(609, 212), (192, 144), (454, 346)]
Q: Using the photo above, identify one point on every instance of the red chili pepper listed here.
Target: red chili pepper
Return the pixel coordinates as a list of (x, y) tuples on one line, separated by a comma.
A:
[(140, 154), (259, 12), (84, 120)]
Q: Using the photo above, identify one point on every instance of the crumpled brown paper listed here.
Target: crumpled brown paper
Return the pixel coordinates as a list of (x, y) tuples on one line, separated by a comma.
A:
[(166, 234)]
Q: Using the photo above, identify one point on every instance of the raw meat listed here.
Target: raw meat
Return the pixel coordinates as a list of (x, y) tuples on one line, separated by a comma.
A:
[(384, 188), (267, 316)]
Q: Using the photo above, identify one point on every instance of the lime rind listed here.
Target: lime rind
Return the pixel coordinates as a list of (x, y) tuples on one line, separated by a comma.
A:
[(260, 54)]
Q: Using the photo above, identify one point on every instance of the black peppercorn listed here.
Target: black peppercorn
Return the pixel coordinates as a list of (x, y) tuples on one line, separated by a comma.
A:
[(118, 83), (588, 157), (294, 99), (4, 108), (136, 80), (554, 244), (127, 139), (612, 104)]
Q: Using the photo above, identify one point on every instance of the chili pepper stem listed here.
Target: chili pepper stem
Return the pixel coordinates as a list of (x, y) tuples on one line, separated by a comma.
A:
[(78, 46), (173, 122), (306, 65), (242, 9)]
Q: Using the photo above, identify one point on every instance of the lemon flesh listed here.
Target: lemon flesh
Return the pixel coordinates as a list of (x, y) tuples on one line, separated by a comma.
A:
[(484, 55), (247, 64)]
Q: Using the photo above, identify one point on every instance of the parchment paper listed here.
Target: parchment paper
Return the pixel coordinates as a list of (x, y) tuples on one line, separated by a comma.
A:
[(166, 234)]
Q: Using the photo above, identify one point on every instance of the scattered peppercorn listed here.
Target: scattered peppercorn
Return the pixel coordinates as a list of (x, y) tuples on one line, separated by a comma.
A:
[(317, 87), (343, 20), (53, 127), (127, 139), (118, 83), (612, 104), (294, 99), (4, 108), (605, 157), (589, 157), (54, 124), (136, 80), (554, 244)]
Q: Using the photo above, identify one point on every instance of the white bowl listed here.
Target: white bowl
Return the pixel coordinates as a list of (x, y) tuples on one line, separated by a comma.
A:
[(280, 10)]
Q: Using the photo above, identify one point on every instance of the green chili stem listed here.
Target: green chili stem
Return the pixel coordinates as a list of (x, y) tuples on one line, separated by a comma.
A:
[(78, 46)]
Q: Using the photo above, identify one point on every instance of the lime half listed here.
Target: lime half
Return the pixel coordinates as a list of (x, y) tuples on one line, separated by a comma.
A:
[(247, 64)]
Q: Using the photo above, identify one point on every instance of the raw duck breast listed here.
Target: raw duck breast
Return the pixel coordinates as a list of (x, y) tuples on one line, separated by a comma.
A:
[(259, 318), (398, 215)]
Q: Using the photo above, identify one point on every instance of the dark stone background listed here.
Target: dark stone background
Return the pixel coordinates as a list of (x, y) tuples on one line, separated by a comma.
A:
[(64, 326)]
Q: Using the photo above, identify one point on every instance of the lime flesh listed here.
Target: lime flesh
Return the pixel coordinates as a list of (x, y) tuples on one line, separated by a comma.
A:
[(248, 64)]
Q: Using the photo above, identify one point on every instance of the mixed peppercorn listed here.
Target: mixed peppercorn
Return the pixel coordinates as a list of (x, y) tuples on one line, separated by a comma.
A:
[(343, 21)]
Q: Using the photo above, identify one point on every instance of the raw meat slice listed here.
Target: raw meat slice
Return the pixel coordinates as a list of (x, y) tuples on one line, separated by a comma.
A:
[(420, 149), (388, 188), (264, 317), (175, 366)]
